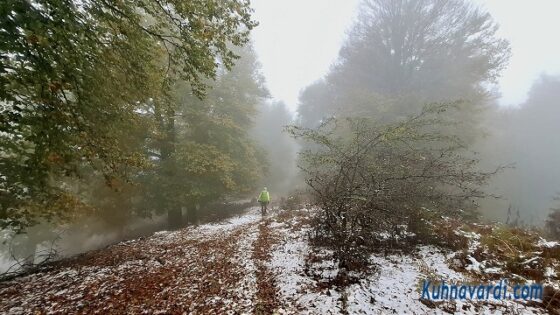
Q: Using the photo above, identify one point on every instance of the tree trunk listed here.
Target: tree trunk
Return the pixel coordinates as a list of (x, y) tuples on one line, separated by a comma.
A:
[(174, 218), (192, 214), (167, 147)]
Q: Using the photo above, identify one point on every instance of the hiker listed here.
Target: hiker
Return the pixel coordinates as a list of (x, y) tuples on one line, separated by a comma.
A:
[(264, 199)]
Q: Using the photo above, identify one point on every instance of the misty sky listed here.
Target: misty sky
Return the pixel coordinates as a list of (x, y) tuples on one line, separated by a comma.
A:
[(297, 41)]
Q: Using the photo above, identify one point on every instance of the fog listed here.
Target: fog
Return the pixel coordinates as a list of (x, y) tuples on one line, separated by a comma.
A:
[(188, 156), (64, 241), (298, 41), (519, 125), (281, 177), (527, 137)]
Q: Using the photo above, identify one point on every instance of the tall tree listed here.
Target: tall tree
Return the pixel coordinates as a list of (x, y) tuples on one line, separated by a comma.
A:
[(72, 77), (402, 54), (205, 152)]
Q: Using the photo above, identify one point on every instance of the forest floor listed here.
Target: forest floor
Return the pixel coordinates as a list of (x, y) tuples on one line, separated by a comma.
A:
[(244, 265)]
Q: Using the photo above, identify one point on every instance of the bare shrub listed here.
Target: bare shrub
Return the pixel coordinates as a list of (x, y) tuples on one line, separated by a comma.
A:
[(379, 184)]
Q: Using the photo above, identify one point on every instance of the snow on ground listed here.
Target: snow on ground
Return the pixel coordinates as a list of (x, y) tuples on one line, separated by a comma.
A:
[(296, 290), (392, 290), (210, 230), (218, 269), (194, 269), (247, 289), (548, 244), (252, 216), (395, 287)]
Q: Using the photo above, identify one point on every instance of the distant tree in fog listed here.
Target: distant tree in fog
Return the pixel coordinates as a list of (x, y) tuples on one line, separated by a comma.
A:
[(553, 221), (535, 146), (401, 54), (527, 137)]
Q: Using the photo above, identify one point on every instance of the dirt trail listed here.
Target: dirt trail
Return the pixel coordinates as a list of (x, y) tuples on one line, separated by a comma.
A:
[(267, 299)]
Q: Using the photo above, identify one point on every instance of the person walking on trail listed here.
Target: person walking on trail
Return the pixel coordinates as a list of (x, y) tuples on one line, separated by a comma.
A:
[(264, 200)]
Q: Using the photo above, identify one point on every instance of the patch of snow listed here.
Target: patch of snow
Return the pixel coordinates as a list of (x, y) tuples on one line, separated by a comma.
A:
[(297, 291), (276, 224), (162, 233), (475, 265), (530, 260), (493, 270), (548, 244), (252, 216), (392, 290), (549, 272), (436, 259), (473, 237), (247, 289)]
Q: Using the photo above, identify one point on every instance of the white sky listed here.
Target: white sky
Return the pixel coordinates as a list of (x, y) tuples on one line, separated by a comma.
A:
[(298, 40)]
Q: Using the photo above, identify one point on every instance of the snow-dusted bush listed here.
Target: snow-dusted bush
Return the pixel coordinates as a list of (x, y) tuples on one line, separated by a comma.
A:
[(383, 184)]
